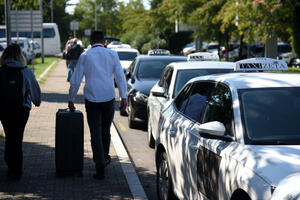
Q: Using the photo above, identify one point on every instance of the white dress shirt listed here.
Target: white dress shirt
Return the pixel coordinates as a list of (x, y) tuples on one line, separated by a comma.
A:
[(100, 66)]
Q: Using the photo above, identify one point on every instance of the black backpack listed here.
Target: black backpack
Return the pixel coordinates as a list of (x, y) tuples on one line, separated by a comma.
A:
[(11, 88), (74, 52)]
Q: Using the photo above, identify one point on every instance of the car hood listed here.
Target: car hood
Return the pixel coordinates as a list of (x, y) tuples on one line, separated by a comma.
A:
[(272, 163), (125, 63), (145, 85)]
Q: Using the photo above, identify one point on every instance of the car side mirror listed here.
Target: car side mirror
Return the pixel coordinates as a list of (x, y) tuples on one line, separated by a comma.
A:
[(213, 128), (159, 92), (128, 75)]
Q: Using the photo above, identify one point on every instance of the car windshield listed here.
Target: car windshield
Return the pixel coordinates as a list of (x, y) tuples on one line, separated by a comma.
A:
[(192, 44), (212, 47), (152, 69), (19, 42), (183, 76), (284, 48), (271, 115), (127, 55)]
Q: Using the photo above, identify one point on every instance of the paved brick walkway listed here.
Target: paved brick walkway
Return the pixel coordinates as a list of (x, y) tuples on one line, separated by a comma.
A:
[(39, 179)]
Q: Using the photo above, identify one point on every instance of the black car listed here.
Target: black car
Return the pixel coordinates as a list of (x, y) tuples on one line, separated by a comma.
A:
[(142, 75)]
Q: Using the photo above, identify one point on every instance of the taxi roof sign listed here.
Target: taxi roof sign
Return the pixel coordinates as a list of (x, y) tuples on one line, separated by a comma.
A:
[(261, 64), (158, 52), (203, 56)]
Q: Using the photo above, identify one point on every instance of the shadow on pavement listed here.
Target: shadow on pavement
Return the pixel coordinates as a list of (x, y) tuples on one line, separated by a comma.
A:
[(61, 98), (39, 179)]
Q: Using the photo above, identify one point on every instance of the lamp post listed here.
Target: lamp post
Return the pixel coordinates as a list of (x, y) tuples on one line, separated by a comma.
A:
[(95, 15), (52, 11), (7, 22)]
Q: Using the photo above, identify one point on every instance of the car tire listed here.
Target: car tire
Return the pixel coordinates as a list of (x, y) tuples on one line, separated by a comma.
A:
[(163, 179), (150, 139), (131, 122)]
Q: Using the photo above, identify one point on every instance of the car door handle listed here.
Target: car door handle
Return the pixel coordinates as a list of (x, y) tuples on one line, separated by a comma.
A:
[(193, 146)]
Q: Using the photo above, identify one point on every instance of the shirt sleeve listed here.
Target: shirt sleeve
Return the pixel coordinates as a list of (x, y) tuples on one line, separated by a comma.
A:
[(120, 77), (35, 90), (76, 78)]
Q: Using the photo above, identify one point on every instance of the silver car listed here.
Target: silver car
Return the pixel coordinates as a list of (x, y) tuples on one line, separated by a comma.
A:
[(171, 81)]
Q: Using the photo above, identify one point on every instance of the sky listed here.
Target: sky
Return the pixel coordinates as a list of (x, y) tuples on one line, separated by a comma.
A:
[(70, 9)]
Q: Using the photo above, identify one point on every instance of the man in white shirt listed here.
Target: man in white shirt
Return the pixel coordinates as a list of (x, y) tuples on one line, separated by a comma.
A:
[(100, 66)]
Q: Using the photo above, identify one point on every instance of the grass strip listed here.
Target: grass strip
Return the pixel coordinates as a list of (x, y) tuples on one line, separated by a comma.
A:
[(39, 67)]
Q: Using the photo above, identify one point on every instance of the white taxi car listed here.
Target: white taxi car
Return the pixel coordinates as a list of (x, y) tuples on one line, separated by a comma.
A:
[(173, 79), (243, 144), (126, 56)]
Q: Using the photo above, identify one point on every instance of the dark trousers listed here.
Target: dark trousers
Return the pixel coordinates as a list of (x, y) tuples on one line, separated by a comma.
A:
[(99, 117), (14, 124)]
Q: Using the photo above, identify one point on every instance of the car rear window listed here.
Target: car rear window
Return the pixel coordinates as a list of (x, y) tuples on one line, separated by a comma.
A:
[(152, 69), (127, 55)]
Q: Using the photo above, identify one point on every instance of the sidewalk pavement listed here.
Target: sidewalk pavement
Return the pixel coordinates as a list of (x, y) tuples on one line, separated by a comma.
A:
[(39, 180)]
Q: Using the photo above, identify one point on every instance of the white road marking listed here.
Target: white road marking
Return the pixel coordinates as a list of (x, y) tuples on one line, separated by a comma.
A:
[(133, 181)]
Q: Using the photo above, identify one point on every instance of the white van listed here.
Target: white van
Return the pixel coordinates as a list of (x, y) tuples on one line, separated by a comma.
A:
[(51, 37)]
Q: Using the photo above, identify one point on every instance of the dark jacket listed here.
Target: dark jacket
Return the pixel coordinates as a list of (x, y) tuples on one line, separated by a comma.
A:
[(29, 84)]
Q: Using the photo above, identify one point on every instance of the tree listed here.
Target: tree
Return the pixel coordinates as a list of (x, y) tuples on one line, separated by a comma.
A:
[(208, 24), (60, 17), (108, 19)]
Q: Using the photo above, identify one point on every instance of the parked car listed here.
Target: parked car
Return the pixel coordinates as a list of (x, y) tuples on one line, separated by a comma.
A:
[(173, 78), (284, 52), (126, 56), (244, 143), (25, 45), (36, 48), (2, 47), (143, 73), (189, 48), (296, 63), (117, 45), (213, 47)]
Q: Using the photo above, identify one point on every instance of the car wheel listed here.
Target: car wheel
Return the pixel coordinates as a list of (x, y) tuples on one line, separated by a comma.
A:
[(150, 139), (163, 179), (131, 122)]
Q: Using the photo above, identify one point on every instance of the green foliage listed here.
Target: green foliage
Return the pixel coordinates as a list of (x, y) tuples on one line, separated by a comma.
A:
[(155, 43), (60, 17), (108, 19), (215, 20), (128, 37), (40, 67), (86, 41), (140, 40)]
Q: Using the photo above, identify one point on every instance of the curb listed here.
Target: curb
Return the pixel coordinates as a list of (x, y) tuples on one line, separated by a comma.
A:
[(133, 180), (47, 70)]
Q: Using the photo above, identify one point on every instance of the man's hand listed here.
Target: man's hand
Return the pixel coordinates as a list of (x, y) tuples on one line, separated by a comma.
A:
[(123, 105), (71, 106)]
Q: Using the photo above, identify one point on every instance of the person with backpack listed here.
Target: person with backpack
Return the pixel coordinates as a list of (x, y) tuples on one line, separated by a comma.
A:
[(73, 53), (18, 88)]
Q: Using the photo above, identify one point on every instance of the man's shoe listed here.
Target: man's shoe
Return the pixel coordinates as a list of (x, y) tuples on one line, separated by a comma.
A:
[(107, 160), (100, 174)]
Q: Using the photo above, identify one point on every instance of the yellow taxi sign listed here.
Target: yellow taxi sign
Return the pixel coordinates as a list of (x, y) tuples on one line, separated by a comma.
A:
[(261, 64), (202, 56)]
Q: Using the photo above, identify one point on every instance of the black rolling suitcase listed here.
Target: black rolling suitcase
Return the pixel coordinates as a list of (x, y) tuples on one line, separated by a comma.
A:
[(69, 142)]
